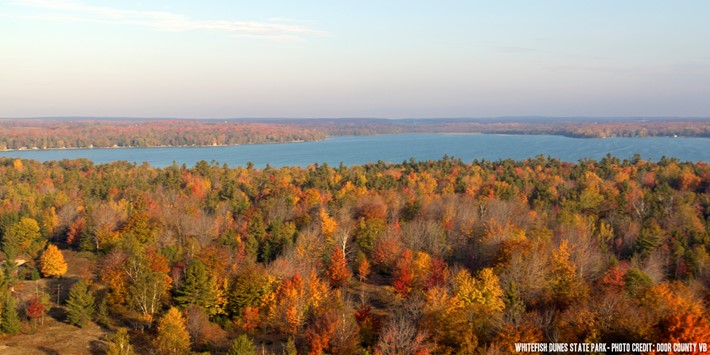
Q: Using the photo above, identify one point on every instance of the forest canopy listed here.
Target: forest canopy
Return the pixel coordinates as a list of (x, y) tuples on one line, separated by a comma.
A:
[(421, 257)]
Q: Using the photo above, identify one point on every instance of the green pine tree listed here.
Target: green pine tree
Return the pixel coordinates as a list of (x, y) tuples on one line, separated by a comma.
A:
[(19, 237), (102, 316), (10, 321), (242, 345), (198, 288), (80, 305)]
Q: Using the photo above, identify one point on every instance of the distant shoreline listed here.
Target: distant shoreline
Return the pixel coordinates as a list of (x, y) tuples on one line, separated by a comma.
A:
[(21, 135), (35, 149), (329, 137)]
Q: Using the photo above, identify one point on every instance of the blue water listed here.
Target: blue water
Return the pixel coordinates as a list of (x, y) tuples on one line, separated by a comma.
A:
[(394, 148)]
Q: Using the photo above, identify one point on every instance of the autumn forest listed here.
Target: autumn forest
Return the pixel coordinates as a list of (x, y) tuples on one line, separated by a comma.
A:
[(421, 257)]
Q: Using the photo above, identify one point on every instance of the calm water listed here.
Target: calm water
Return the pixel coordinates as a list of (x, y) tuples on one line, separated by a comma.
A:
[(395, 148)]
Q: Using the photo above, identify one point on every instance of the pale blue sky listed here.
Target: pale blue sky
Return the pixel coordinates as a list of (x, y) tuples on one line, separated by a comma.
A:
[(384, 58)]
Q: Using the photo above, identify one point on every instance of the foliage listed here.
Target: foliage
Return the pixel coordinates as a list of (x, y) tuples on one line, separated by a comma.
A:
[(250, 288), (102, 316), (483, 291), (338, 272), (482, 254), (80, 304), (52, 262), (172, 337), (242, 345), (290, 348), (198, 288), (21, 237), (564, 282), (147, 283), (205, 334), (120, 343), (36, 308), (637, 282), (327, 224), (9, 321), (363, 270), (332, 333)]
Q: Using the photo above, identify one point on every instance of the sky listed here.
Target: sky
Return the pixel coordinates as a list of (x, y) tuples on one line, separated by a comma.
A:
[(363, 58)]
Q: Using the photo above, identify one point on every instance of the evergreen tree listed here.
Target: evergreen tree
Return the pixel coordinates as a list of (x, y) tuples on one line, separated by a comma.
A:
[(80, 305), (20, 236), (242, 345), (173, 337), (199, 288), (10, 321), (9, 272), (34, 274), (102, 316)]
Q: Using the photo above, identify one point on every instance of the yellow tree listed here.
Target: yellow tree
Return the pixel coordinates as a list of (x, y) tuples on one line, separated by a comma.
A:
[(421, 265), (563, 281), (52, 262), (113, 275), (484, 291), (481, 300), (317, 291), (17, 164), (327, 224), (173, 337), (50, 220), (120, 343), (447, 320)]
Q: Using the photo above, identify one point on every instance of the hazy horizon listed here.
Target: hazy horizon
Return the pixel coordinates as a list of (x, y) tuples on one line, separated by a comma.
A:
[(354, 59), (498, 118)]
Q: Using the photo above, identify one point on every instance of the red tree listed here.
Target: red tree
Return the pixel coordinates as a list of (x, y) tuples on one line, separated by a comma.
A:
[(35, 309)]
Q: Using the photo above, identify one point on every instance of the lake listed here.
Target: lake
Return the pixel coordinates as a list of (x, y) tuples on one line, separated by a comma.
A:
[(354, 150)]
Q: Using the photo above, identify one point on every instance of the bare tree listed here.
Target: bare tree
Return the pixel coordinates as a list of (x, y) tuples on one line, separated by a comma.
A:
[(401, 336)]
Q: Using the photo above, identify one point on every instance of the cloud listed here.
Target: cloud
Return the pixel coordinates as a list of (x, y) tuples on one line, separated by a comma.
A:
[(70, 11), (285, 19)]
